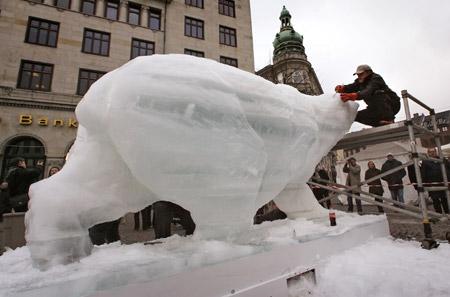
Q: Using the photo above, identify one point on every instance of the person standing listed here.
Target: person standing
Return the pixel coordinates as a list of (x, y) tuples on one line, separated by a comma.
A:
[(382, 103), (353, 171), (395, 179), (375, 187), (318, 192), (432, 174), (18, 182)]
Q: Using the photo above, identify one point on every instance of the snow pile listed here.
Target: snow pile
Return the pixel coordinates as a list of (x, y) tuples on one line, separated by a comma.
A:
[(386, 268), (218, 141), (115, 265)]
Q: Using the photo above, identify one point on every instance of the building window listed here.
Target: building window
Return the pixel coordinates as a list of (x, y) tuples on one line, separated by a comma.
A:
[(42, 32), (112, 10), (193, 28), (229, 61), (86, 78), (226, 7), (134, 14), (154, 20), (194, 53), (96, 42), (62, 4), (35, 76), (88, 7), (227, 36), (196, 3), (141, 48)]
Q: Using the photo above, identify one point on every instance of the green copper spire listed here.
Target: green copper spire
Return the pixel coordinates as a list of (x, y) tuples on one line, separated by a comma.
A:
[(287, 38)]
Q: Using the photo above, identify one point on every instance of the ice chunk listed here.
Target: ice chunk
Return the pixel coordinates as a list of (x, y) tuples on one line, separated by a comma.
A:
[(214, 139)]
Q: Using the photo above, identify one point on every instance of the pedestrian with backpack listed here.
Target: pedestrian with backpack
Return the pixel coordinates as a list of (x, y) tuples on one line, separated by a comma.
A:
[(382, 103)]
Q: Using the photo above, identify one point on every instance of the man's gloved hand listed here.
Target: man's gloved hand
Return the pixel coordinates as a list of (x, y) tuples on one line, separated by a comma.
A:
[(339, 89), (349, 96)]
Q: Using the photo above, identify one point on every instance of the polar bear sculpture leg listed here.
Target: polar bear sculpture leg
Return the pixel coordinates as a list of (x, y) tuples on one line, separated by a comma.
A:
[(298, 201), (63, 207)]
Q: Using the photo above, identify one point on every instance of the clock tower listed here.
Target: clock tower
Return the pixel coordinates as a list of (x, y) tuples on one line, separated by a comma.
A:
[(290, 63)]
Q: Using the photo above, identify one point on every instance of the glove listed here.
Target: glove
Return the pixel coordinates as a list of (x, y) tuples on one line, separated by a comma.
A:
[(339, 89), (349, 96)]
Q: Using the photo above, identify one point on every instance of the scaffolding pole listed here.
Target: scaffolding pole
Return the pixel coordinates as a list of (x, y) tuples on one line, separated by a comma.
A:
[(425, 220)]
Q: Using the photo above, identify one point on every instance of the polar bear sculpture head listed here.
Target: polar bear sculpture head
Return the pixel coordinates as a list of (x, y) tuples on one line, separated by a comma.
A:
[(214, 139)]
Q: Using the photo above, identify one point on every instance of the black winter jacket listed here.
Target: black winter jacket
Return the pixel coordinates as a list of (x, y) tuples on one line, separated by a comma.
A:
[(396, 177), (432, 173), (19, 179), (371, 86), (374, 186)]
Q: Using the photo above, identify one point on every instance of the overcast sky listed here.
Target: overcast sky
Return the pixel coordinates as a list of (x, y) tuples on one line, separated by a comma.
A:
[(406, 42)]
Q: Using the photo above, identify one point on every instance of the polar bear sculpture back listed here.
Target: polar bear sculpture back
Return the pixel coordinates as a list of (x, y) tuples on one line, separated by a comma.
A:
[(214, 139)]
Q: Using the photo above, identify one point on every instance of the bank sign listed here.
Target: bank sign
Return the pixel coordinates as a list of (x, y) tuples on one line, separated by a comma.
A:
[(28, 119)]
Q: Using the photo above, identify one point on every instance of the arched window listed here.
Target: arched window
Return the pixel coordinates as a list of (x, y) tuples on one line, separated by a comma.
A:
[(25, 147)]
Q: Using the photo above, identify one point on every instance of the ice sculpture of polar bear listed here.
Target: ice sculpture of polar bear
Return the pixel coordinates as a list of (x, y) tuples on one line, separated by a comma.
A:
[(214, 139)]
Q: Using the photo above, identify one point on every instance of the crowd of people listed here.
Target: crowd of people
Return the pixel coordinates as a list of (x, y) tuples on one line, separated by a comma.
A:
[(430, 170)]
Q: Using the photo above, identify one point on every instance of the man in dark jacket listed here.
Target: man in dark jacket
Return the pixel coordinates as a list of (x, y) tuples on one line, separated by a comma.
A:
[(318, 192), (18, 180), (382, 103), (375, 186), (432, 174), (395, 179)]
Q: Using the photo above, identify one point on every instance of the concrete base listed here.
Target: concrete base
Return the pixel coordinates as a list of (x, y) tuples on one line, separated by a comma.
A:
[(268, 273)]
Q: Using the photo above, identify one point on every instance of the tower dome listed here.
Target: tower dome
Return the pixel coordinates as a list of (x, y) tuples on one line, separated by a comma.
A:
[(287, 38)]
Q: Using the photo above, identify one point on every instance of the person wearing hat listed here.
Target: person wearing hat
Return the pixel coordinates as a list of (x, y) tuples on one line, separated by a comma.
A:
[(353, 171), (382, 103), (395, 179)]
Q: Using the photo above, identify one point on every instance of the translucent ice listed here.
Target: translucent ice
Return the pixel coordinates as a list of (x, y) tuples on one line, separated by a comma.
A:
[(214, 139)]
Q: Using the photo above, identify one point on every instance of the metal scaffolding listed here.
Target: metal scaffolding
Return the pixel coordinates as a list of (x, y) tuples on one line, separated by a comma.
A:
[(394, 132)]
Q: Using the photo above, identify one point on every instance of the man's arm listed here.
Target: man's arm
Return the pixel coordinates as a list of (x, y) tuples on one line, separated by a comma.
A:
[(375, 84), (351, 88), (345, 169)]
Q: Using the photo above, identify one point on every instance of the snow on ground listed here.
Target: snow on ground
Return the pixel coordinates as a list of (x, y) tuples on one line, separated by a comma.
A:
[(385, 267), (381, 267)]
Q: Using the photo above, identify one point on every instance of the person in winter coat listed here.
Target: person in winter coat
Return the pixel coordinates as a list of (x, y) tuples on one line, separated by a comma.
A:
[(321, 193), (375, 186), (18, 181), (432, 173), (382, 103), (353, 171), (395, 179)]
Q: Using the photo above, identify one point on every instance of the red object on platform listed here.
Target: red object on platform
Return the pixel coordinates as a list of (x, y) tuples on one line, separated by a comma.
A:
[(332, 216)]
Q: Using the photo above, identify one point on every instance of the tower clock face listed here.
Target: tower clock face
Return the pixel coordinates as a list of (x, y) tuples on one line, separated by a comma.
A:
[(299, 76)]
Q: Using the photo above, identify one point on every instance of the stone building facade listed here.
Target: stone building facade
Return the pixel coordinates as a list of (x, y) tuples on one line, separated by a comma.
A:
[(290, 63), (53, 50)]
